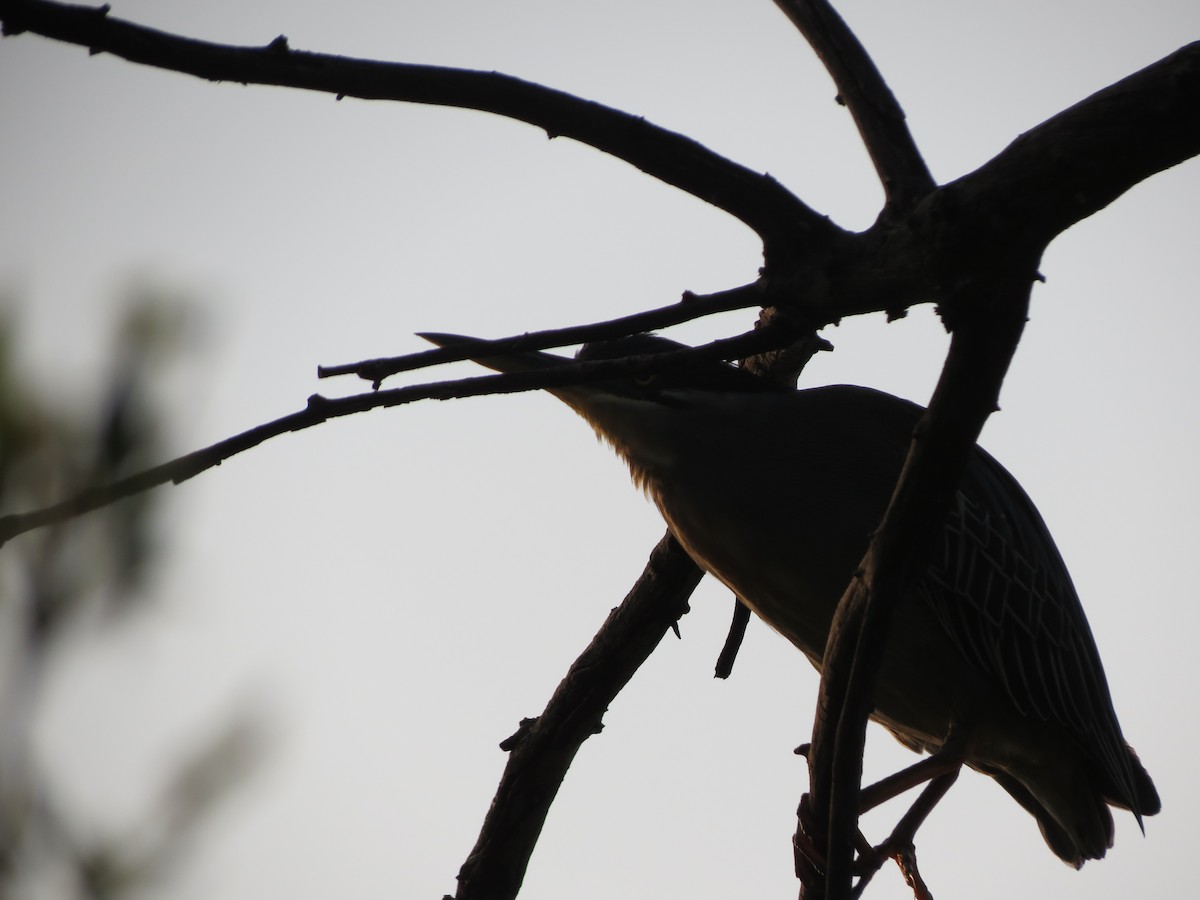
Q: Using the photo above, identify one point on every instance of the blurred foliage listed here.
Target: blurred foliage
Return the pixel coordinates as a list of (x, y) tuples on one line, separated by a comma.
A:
[(78, 578)]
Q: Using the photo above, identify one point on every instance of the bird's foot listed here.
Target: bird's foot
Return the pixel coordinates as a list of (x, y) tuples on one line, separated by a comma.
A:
[(938, 773)]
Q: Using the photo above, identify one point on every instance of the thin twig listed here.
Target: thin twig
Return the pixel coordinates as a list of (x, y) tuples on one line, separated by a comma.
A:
[(880, 120), (690, 307), (733, 640)]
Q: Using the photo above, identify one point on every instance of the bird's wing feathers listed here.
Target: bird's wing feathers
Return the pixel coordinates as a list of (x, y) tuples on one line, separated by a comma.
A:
[(1002, 591)]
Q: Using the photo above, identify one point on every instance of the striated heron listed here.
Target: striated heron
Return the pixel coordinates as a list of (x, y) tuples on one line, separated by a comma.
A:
[(776, 492)]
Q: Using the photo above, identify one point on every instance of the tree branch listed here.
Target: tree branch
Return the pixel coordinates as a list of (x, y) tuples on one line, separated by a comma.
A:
[(688, 308), (880, 120), (1051, 177), (777, 216), (987, 327), (543, 749), (1054, 175), (321, 409), (1085, 157)]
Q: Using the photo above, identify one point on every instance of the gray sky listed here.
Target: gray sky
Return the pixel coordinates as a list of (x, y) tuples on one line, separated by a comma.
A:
[(395, 592)]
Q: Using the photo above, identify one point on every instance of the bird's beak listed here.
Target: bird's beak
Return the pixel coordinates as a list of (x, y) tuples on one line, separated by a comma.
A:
[(580, 397), (604, 404), (617, 413), (519, 361)]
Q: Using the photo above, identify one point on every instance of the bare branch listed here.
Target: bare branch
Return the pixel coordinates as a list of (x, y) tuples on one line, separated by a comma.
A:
[(321, 409), (988, 322), (880, 120), (1051, 177), (544, 748), (1079, 161), (777, 216), (688, 308), (1056, 174)]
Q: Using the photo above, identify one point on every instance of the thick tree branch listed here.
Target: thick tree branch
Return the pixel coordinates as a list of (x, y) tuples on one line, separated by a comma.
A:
[(988, 322), (1051, 177), (1085, 157), (757, 200), (878, 115), (544, 748), (1054, 175)]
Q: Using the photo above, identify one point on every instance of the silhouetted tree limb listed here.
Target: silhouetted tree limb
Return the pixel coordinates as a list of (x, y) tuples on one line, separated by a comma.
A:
[(321, 409), (753, 198), (1054, 175), (543, 749), (690, 307), (879, 118), (981, 348)]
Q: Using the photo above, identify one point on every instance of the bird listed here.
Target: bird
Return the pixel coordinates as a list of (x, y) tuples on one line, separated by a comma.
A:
[(776, 491)]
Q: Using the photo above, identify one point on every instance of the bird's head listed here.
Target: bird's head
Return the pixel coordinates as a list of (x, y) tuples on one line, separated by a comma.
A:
[(645, 415)]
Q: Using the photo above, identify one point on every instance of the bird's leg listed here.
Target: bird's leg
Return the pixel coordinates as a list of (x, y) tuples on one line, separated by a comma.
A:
[(938, 772), (941, 771), (940, 763), (733, 642), (899, 844), (904, 832)]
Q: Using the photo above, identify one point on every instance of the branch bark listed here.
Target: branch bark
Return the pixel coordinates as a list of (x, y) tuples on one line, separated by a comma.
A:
[(544, 748), (688, 308), (775, 214), (880, 120), (1054, 175), (988, 320)]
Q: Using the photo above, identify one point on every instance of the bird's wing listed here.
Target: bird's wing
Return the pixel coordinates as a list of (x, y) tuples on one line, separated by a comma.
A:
[(1002, 591)]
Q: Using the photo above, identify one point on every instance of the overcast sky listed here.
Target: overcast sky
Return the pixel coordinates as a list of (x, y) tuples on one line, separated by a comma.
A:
[(393, 593)]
